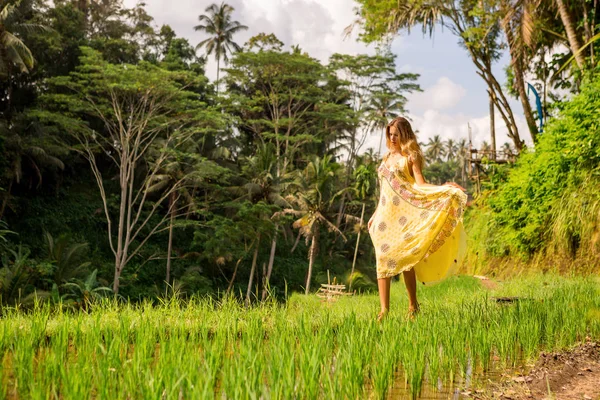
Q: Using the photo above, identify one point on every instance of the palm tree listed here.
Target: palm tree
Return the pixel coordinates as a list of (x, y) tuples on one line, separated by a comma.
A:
[(29, 152), (450, 149), (383, 107), (88, 290), (219, 25), (14, 54), (574, 42), (365, 176), (263, 185), (67, 257), (509, 151), (518, 25), (435, 149), (177, 172), (314, 196)]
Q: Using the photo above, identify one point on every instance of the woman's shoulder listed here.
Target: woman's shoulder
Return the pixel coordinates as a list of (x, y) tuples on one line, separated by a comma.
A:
[(387, 155)]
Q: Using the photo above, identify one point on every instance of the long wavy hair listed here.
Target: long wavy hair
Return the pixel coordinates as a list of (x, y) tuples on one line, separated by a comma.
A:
[(408, 140)]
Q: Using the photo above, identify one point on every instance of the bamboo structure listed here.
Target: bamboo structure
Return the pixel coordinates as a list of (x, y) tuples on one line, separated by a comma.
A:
[(479, 160)]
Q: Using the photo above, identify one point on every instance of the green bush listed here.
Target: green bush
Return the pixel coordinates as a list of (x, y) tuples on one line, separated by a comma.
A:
[(539, 205)]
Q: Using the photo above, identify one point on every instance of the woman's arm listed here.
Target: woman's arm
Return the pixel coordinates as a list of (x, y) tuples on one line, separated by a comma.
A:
[(418, 174)]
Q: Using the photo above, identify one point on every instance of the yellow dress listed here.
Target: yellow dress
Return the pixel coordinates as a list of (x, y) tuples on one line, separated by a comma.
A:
[(417, 226)]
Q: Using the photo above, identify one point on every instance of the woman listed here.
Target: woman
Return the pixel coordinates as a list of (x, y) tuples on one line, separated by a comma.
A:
[(417, 228)]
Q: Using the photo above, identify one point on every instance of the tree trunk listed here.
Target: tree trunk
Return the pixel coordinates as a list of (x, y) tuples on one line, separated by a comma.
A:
[(574, 43), (486, 73), (118, 270), (495, 89), (122, 229), (362, 214), (312, 252), (381, 142), (7, 198), (296, 242), (172, 202), (218, 68), (83, 6), (264, 278), (517, 65), (271, 261), (493, 126), (252, 270), (237, 264)]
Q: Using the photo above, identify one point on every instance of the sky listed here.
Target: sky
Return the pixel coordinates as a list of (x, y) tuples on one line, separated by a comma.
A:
[(454, 97)]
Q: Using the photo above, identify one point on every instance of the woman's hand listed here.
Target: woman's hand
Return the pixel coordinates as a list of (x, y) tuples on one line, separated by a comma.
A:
[(456, 185)]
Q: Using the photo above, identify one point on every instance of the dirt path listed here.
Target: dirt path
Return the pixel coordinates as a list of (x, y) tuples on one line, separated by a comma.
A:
[(486, 282), (573, 374)]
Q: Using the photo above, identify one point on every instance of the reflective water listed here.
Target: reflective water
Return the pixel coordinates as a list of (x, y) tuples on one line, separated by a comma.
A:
[(466, 388)]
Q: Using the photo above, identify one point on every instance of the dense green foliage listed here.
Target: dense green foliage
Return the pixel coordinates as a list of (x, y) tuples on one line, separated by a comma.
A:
[(113, 142), (548, 202), (545, 208), (122, 166), (204, 349)]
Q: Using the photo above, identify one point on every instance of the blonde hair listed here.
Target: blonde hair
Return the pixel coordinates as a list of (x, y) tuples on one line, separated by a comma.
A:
[(408, 140)]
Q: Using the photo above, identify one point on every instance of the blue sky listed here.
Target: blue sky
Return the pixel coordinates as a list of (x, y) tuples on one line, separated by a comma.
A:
[(454, 95)]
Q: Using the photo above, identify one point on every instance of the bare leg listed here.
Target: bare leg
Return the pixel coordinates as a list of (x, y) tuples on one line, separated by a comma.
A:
[(411, 287), (384, 295)]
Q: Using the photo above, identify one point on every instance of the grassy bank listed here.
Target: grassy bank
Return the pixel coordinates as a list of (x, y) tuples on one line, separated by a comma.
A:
[(303, 349)]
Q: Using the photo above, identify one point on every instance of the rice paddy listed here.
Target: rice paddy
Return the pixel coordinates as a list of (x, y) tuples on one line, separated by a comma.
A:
[(304, 348)]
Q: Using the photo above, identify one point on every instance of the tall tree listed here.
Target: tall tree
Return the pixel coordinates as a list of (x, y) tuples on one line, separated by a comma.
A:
[(570, 28), (435, 149), (382, 108), (476, 26), (518, 26), (365, 178), (221, 28), (263, 186), (127, 109), (450, 149), (282, 98), (368, 79), (314, 196)]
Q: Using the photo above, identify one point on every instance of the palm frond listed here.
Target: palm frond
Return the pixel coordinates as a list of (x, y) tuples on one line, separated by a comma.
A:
[(20, 54), (330, 227)]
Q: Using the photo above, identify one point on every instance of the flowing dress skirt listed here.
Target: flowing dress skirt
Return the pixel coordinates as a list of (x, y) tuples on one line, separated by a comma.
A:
[(417, 226)]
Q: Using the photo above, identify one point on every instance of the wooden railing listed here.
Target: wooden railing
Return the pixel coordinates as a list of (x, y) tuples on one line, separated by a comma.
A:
[(493, 156)]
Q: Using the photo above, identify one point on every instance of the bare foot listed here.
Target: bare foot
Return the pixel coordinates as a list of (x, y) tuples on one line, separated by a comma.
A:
[(381, 315), (413, 311)]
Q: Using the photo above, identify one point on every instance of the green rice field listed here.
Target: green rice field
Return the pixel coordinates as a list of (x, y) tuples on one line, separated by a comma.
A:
[(301, 349)]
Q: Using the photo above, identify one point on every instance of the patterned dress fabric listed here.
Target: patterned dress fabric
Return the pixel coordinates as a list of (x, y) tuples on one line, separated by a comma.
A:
[(417, 226)]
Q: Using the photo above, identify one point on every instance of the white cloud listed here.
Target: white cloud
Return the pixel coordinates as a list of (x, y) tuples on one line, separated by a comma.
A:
[(316, 26), (443, 95)]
